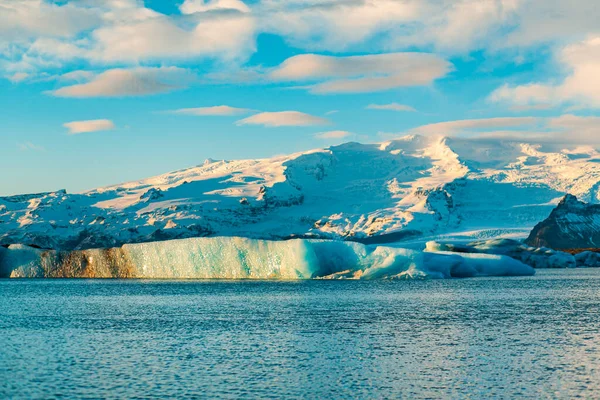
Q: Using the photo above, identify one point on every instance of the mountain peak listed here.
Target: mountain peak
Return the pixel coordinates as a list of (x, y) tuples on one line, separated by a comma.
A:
[(571, 225), (570, 201)]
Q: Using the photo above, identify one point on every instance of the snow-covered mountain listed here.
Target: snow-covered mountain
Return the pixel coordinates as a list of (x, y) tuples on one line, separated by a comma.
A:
[(411, 188), (571, 225)]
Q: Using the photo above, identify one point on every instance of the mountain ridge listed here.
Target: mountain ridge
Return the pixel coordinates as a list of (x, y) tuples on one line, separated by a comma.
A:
[(413, 187)]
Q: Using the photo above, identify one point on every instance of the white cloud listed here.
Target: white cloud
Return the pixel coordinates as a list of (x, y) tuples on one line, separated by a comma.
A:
[(214, 35), (95, 125), (391, 107), (114, 32), (448, 26), (581, 86), (474, 125), (35, 34), (44, 50), (283, 118), (18, 77), (543, 21), (358, 74), (566, 129), (77, 76), (24, 19), (213, 111), (40, 36), (129, 82), (458, 26), (576, 129), (524, 95), (333, 135), (335, 24), (575, 122)]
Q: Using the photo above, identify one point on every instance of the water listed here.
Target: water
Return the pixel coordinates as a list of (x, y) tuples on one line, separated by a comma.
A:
[(536, 337)]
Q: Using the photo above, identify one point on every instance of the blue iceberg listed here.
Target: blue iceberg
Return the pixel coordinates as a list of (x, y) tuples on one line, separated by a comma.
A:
[(243, 258)]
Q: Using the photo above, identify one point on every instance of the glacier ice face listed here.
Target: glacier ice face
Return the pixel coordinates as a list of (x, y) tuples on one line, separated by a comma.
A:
[(223, 258), (21, 261), (242, 258)]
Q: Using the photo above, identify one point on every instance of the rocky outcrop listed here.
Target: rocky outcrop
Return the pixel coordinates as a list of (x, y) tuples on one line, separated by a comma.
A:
[(571, 225)]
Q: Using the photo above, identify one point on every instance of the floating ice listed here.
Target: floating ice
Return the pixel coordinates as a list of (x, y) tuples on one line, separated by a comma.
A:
[(532, 256), (242, 258)]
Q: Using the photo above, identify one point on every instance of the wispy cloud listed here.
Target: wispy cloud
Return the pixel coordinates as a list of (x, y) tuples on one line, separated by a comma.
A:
[(140, 81), (565, 129), (213, 111), (283, 118), (333, 135), (362, 74), (96, 125), (391, 107), (77, 76), (28, 146), (18, 77), (470, 125)]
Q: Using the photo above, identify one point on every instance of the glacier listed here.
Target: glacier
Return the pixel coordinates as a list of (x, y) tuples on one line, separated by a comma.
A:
[(243, 258), (410, 188)]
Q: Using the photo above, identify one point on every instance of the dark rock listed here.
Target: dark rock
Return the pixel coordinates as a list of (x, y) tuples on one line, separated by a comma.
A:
[(571, 225)]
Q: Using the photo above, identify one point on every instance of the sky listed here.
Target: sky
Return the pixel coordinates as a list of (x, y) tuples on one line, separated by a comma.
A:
[(97, 92)]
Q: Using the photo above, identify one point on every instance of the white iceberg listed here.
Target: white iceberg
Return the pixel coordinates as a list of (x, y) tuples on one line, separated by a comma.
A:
[(534, 257)]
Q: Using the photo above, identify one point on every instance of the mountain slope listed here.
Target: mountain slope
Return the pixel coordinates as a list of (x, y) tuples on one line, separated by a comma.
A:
[(412, 187), (571, 225)]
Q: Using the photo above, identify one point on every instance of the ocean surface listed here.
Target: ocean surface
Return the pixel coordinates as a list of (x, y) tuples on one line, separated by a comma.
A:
[(534, 337)]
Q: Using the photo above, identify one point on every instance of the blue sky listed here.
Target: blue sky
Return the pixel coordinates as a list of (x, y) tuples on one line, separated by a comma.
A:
[(98, 92)]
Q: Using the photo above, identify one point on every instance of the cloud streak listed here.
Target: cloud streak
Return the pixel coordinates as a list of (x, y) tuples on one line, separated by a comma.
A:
[(361, 74), (218, 111), (140, 81), (391, 107), (333, 135), (566, 129), (283, 118), (474, 125), (96, 125)]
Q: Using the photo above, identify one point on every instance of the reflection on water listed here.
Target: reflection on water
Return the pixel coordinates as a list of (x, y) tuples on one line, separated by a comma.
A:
[(498, 337)]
